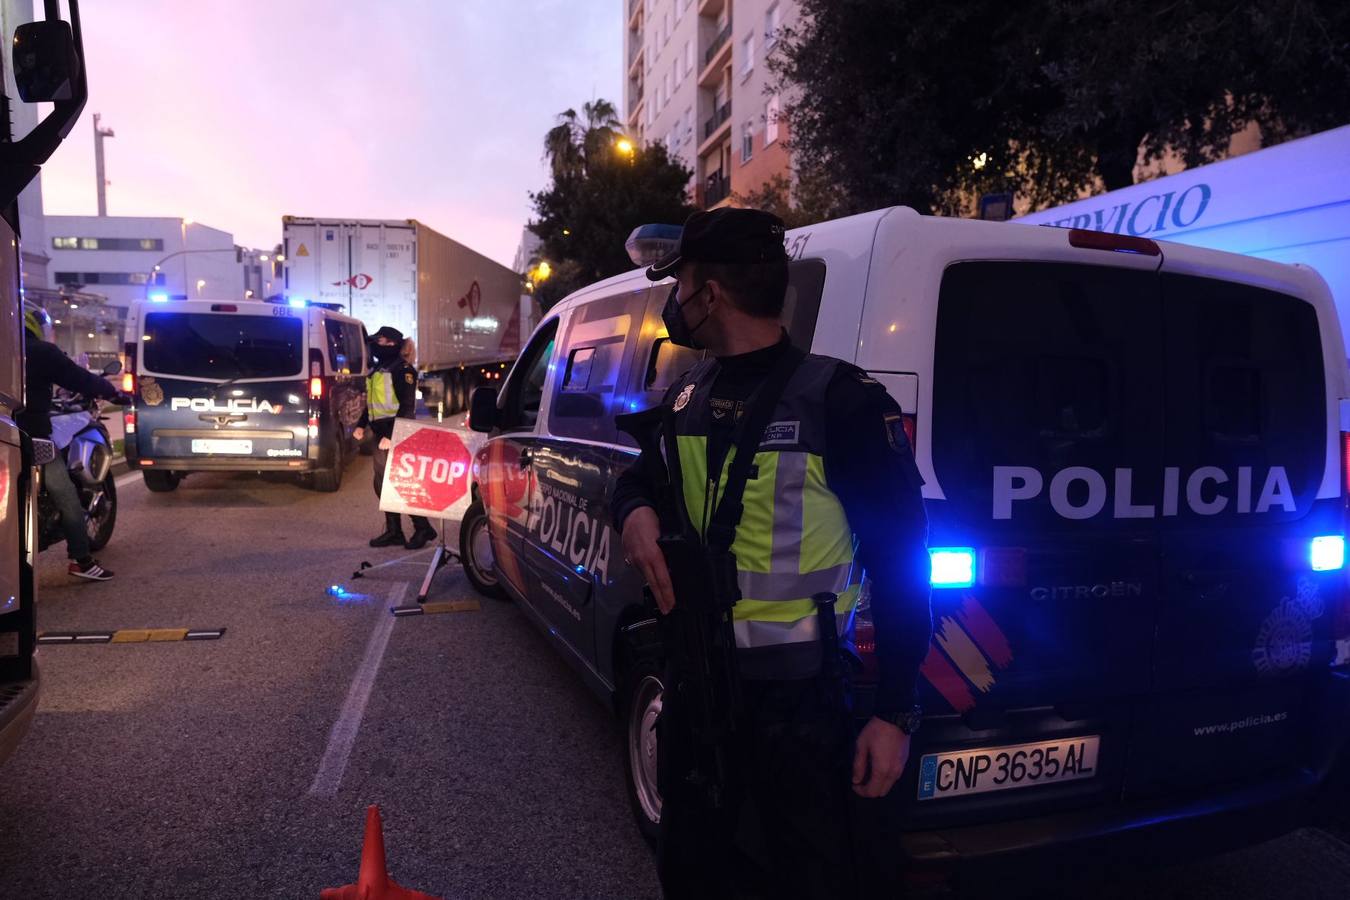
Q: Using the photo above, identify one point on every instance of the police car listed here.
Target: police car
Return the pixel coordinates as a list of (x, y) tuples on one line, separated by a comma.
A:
[(242, 386), (1136, 478)]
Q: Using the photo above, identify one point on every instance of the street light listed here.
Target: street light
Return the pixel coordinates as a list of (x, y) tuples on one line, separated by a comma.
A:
[(625, 148)]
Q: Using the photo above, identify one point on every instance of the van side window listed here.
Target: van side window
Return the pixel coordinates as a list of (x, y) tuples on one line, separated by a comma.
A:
[(801, 308), (667, 363), (355, 347), (337, 345), (525, 390), (599, 342)]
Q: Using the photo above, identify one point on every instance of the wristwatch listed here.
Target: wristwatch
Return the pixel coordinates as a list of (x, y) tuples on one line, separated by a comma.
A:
[(907, 720)]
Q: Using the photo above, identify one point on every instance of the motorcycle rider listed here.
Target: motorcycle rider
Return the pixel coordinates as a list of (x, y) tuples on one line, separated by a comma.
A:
[(46, 366), (391, 393)]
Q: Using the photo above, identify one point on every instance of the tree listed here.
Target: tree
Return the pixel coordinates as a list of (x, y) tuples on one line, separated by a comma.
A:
[(598, 195), (1048, 97)]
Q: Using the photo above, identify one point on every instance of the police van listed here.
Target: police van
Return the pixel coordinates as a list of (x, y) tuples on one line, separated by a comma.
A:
[(242, 386), (1136, 478)]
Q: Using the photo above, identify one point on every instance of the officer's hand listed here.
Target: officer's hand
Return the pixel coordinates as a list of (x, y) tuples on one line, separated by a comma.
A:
[(359, 433), (880, 758), (640, 532), (384, 443)]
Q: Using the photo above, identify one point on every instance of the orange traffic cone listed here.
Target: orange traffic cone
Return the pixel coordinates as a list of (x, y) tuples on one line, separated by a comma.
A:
[(373, 881)]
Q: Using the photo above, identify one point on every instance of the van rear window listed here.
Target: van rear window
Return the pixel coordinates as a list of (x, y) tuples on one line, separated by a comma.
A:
[(1090, 394), (203, 345)]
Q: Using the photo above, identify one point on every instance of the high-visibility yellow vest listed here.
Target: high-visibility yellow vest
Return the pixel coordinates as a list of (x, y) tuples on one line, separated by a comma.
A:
[(381, 401), (794, 539)]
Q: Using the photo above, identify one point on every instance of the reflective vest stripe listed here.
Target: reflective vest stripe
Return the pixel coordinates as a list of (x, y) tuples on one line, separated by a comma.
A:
[(781, 587), (381, 401), (761, 632)]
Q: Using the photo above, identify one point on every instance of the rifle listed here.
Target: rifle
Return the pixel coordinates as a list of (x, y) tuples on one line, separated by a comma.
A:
[(699, 633)]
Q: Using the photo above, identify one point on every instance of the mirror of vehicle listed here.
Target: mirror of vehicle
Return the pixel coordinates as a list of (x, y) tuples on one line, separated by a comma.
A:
[(45, 62), (483, 409)]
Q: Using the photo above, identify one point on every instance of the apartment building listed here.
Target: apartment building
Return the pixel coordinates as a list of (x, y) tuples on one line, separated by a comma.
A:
[(697, 81)]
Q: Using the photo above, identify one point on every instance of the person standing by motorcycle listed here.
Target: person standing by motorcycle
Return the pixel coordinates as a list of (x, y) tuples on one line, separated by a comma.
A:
[(45, 367), (391, 393)]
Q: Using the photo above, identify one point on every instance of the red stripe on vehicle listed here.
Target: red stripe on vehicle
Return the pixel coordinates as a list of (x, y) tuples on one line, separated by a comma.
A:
[(948, 682), (986, 632)]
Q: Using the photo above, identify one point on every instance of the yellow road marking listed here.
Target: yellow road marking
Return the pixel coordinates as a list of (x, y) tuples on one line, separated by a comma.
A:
[(140, 635), (451, 606)]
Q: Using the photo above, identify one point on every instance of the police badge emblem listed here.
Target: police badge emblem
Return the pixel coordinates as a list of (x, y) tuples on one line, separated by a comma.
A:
[(683, 400), (151, 392)]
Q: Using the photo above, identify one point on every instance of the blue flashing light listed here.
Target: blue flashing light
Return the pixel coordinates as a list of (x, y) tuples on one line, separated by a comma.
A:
[(952, 567), (159, 297), (297, 301), (1327, 553)]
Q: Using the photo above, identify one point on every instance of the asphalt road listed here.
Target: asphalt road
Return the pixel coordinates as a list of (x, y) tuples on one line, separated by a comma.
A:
[(213, 769)]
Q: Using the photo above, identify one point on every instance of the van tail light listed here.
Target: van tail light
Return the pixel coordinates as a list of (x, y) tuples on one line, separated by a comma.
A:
[(911, 426), (1118, 243), (129, 421), (128, 383), (316, 388), (313, 427)]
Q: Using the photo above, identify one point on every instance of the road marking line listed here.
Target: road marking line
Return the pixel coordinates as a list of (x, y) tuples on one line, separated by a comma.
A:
[(342, 737), (130, 636)]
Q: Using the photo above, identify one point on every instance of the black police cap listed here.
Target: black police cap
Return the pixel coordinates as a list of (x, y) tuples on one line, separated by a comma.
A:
[(728, 236), (389, 333)]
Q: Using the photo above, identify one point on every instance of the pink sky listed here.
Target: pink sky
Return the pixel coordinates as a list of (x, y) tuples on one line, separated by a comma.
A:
[(235, 113)]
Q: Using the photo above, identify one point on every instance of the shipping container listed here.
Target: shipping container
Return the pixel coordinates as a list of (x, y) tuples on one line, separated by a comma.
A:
[(466, 312)]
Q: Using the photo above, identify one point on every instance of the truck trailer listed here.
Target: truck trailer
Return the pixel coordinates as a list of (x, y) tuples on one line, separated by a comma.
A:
[(466, 312)]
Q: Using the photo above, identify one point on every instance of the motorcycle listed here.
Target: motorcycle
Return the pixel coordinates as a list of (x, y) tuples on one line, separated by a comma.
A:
[(82, 440)]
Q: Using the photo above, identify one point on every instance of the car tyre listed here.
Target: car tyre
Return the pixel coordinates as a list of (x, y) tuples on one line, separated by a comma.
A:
[(644, 686), (475, 552), (161, 482)]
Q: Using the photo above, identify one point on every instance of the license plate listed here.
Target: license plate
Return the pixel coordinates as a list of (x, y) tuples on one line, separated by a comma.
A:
[(214, 445), (963, 772)]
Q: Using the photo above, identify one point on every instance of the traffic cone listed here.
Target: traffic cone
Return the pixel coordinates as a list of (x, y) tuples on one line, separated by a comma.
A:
[(373, 881)]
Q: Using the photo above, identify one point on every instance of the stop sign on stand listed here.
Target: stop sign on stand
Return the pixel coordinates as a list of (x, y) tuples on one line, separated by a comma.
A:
[(427, 472)]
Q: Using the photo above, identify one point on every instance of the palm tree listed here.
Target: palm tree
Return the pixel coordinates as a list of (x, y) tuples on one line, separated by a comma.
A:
[(575, 141)]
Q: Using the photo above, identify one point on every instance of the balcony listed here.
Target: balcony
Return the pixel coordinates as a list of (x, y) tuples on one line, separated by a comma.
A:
[(716, 44), (711, 8), (716, 189), (634, 8), (635, 60), (718, 119)]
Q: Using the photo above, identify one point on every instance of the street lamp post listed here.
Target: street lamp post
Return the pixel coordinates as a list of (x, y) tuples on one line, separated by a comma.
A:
[(150, 276)]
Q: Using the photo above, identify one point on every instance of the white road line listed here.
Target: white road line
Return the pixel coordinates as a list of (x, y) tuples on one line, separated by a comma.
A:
[(343, 735)]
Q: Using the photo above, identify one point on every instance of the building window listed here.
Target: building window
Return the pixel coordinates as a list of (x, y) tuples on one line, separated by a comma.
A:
[(748, 54), (106, 243), (773, 20), (771, 120), (689, 57), (747, 141), (121, 278)]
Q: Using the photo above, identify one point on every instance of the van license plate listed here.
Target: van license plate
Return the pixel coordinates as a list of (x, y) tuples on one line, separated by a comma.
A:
[(212, 445), (963, 772)]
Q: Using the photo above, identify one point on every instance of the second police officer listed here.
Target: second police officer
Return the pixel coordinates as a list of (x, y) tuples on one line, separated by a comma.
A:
[(391, 393), (834, 471)]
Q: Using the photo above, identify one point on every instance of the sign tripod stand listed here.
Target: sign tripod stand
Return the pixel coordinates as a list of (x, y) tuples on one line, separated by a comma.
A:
[(440, 558)]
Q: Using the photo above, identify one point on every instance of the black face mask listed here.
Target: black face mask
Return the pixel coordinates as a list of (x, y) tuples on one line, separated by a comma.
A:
[(381, 354), (681, 334)]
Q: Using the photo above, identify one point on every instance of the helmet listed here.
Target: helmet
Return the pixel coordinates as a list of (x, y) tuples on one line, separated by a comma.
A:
[(37, 322)]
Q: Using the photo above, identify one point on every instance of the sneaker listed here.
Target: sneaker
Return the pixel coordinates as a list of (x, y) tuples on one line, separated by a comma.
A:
[(420, 538), (89, 569)]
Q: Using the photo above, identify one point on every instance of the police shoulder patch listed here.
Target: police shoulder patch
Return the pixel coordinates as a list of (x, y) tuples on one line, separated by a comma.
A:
[(683, 399), (895, 432), (409, 377)]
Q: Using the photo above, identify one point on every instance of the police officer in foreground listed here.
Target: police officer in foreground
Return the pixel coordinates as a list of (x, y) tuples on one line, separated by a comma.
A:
[(47, 366), (391, 393), (833, 467)]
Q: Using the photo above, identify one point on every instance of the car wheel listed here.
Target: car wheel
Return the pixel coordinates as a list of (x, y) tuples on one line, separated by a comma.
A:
[(326, 481), (475, 552), (642, 707), (102, 515), (160, 482)]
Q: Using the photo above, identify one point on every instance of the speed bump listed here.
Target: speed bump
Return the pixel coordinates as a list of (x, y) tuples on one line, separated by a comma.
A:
[(130, 636), (445, 606)]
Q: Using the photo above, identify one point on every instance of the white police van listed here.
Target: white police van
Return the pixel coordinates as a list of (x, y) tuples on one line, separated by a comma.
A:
[(1135, 472), (242, 386)]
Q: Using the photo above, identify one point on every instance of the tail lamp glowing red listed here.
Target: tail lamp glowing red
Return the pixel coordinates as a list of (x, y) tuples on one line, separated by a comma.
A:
[(316, 388)]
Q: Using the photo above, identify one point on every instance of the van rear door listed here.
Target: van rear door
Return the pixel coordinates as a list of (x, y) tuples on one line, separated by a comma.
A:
[(222, 384), (1243, 631)]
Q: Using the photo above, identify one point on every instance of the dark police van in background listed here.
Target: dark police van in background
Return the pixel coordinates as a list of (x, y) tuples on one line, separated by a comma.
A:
[(242, 386), (1136, 479)]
